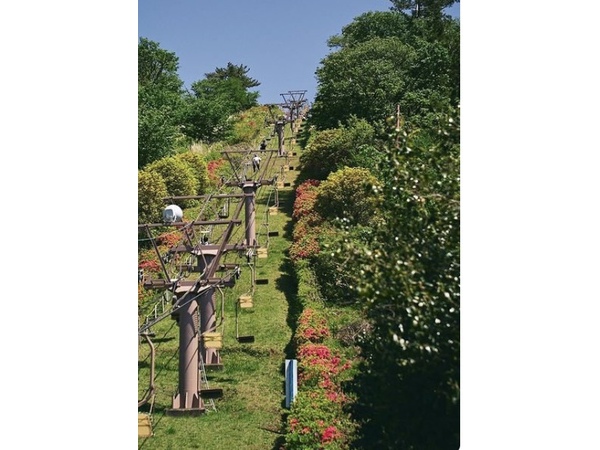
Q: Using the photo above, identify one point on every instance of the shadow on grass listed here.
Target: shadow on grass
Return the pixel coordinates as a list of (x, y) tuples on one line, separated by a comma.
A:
[(287, 283)]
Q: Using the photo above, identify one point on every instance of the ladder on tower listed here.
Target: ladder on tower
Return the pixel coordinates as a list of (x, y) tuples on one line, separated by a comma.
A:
[(208, 402)]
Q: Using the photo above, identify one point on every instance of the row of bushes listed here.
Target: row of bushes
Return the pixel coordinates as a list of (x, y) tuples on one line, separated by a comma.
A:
[(318, 417), (184, 174)]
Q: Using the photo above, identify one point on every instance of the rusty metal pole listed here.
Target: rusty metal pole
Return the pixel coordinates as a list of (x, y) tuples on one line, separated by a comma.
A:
[(208, 316), (250, 209), (280, 135), (187, 400), (208, 323)]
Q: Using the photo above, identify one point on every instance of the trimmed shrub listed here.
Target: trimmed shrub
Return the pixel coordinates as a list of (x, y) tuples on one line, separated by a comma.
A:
[(351, 194), (151, 191), (329, 150), (317, 160), (197, 163), (179, 177)]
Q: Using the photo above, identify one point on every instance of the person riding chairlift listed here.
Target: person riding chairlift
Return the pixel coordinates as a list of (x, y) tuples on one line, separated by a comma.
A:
[(256, 163)]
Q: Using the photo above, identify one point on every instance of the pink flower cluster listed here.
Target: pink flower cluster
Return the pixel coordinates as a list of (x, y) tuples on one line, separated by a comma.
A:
[(311, 327), (331, 433), (149, 265), (306, 195), (169, 239)]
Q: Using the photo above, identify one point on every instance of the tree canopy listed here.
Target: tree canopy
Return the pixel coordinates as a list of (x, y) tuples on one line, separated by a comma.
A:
[(214, 99), (233, 71), (365, 80), (423, 8), (384, 59), (169, 115), (159, 102)]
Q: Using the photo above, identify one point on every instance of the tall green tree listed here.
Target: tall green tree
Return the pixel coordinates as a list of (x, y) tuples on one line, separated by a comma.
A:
[(160, 103), (213, 101), (157, 67), (234, 71), (374, 24), (365, 80), (386, 59)]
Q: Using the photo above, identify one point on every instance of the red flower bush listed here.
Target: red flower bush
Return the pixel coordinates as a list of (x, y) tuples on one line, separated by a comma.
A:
[(214, 170), (150, 265), (305, 248), (169, 239), (306, 195), (329, 434), (317, 418), (312, 327)]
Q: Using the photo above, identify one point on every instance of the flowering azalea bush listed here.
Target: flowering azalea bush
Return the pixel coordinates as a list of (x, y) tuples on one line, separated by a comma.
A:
[(306, 229), (149, 265), (170, 239), (306, 195), (312, 328), (313, 424), (216, 169), (249, 125), (317, 365), (317, 418), (305, 248)]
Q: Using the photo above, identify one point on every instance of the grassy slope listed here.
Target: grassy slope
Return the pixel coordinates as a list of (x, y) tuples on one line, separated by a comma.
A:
[(249, 414)]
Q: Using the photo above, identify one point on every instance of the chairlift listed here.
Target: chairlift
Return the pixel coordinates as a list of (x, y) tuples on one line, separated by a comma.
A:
[(212, 340), (224, 211), (211, 393), (245, 301)]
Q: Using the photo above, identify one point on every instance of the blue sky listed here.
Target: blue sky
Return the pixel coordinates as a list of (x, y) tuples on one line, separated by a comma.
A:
[(281, 42)]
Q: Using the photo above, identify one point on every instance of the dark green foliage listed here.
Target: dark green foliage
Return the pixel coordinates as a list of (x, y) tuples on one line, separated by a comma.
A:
[(214, 101), (423, 8), (206, 120), (349, 198), (157, 67), (234, 71), (157, 132), (374, 24), (387, 59), (351, 145), (318, 159), (334, 272), (411, 286), (366, 80), (231, 92)]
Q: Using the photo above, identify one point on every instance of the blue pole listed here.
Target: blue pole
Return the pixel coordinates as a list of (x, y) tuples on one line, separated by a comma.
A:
[(291, 381)]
